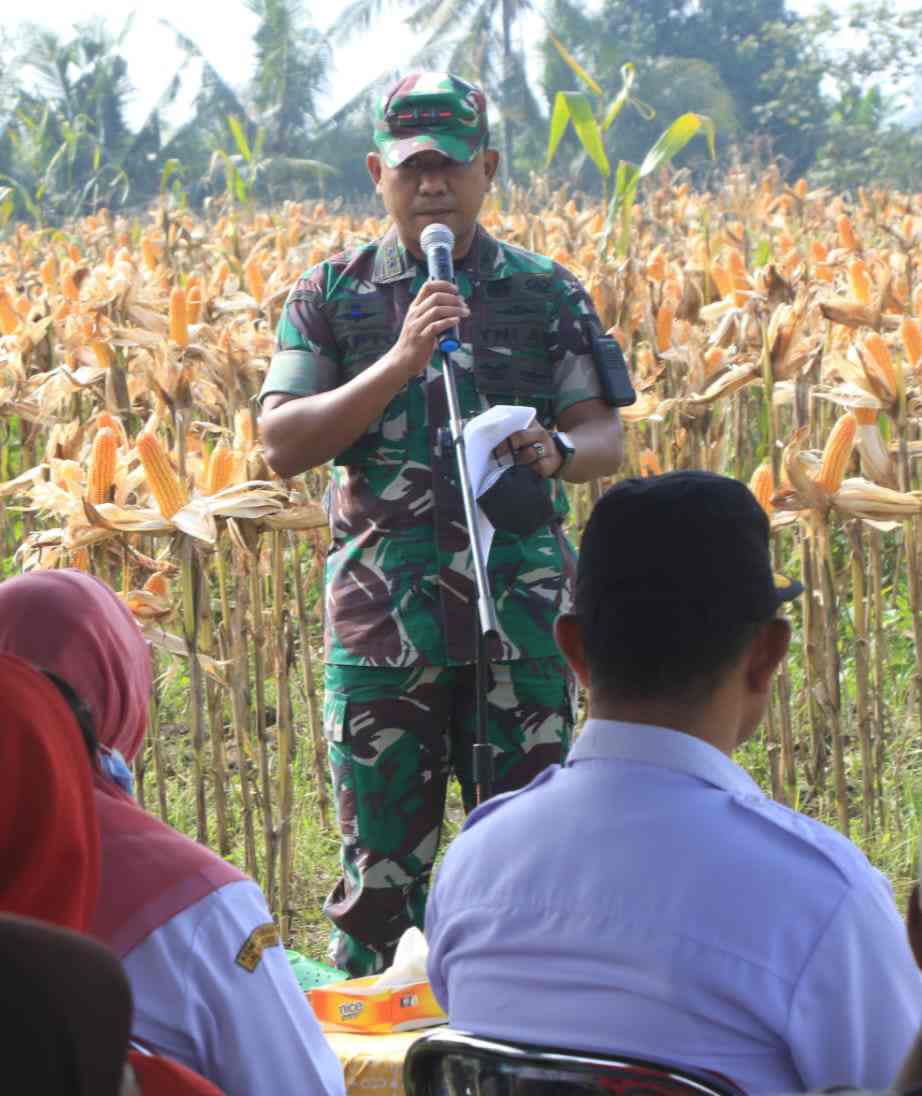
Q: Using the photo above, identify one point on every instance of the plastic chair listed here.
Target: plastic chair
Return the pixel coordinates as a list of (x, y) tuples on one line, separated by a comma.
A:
[(453, 1063)]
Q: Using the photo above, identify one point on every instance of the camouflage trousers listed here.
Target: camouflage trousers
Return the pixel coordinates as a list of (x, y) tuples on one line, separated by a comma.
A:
[(394, 737)]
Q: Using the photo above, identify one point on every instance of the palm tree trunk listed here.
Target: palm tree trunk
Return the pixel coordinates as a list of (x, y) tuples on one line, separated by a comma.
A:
[(506, 162)]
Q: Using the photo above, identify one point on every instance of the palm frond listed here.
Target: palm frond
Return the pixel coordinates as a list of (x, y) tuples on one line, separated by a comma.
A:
[(210, 74), (356, 17)]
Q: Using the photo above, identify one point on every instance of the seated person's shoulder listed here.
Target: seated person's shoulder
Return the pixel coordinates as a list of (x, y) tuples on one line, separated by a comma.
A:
[(814, 844)]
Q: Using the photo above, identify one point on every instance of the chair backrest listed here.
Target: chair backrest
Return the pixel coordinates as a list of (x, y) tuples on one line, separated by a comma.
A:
[(454, 1063)]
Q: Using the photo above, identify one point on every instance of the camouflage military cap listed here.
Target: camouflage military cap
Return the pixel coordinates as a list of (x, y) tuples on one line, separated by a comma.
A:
[(431, 110)]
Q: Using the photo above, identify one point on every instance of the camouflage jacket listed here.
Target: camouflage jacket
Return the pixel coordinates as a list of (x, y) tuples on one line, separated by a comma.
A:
[(399, 581)]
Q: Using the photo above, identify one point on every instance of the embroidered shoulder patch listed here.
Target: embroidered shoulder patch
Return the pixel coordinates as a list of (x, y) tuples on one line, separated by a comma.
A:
[(250, 955)]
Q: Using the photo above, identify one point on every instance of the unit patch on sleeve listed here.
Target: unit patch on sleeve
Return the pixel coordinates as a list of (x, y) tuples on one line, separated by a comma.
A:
[(262, 937)]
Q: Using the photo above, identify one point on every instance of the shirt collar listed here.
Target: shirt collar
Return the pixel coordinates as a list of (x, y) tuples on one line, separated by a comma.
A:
[(610, 740), (393, 262)]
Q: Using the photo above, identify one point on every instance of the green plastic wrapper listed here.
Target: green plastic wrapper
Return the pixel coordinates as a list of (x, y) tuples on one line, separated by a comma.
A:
[(310, 973)]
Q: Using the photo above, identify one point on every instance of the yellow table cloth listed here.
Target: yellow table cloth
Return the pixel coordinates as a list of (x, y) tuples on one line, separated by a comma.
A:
[(373, 1063)]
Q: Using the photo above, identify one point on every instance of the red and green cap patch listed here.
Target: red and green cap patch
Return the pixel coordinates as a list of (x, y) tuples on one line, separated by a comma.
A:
[(431, 110)]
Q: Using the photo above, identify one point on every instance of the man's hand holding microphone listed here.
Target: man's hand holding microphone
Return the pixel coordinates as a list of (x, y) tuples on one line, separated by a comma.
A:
[(433, 318)]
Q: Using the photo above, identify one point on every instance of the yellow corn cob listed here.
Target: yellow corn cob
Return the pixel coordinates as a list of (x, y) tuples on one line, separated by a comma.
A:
[(194, 301), (713, 359), (911, 334), (101, 473), (23, 305), (865, 416), (881, 362), (80, 559), (859, 280), (157, 584), (656, 267), (103, 353), (649, 463), (818, 251), (179, 328), (672, 292), (836, 454), (48, 272), (847, 237), (664, 319), (722, 279), (104, 420), (800, 188), (243, 430), (917, 301), (220, 469), (74, 252), (255, 281), (735, 263), (762, 485), (220, 277), (9, 320), (69, 286), (149, 252), (168, 492)]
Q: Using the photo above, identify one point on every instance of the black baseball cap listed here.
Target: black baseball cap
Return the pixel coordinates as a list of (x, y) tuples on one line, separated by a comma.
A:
[(692, 545)]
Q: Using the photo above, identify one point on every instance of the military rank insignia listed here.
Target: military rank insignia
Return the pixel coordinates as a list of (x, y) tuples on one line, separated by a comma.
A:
[(250, 955)]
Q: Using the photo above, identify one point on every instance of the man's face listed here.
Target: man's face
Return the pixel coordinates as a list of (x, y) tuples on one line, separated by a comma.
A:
[(429, 188)]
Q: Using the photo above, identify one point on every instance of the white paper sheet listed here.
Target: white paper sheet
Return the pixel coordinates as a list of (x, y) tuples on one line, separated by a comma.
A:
[(481, 436)]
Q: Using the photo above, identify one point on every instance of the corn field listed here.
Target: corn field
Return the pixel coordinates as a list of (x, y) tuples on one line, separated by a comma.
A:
[(774, 333)]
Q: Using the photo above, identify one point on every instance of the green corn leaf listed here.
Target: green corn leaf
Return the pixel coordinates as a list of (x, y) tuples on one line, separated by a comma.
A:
[(240, 188), (626, 183), (170, 168), (762, 253), (574, 64), (675, 138), (627, 178), (560, 116), (239, 136), (628, 76), (574, 106)]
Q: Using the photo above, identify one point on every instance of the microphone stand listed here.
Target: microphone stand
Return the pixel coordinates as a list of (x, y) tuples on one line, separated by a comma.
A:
[(487, 628)]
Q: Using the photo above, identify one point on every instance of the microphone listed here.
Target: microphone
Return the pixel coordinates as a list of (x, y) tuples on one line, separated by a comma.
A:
[(437, 242)]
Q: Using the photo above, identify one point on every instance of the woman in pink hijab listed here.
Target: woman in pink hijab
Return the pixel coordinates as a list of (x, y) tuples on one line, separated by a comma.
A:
[(212, 986)]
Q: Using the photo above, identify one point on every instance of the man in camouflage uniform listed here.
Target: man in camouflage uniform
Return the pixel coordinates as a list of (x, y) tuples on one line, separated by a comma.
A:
[(356, 378)]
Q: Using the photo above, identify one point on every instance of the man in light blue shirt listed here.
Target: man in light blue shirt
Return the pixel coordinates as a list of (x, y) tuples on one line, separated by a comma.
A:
[(647, 897)]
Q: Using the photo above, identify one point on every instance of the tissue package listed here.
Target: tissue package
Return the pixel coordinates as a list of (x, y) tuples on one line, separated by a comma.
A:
[(360, 1005)]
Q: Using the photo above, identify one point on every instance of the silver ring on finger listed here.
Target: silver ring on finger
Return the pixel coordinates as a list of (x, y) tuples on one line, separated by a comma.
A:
[(538, 447)]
